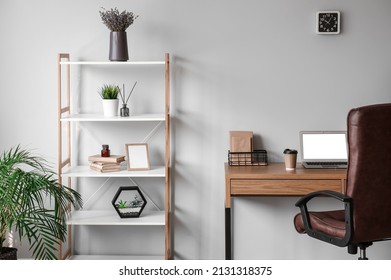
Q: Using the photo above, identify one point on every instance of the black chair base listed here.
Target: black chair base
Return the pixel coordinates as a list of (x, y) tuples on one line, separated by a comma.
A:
[(352, 249)]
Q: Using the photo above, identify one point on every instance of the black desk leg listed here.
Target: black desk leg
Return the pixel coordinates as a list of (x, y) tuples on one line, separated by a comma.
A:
[(228, 249)]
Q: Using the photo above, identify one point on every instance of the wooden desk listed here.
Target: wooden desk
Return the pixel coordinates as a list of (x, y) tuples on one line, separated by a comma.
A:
[(274, 180)]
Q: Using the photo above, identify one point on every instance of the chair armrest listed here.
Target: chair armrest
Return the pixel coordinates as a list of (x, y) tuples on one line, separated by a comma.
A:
[(339, 196), (302, 204)]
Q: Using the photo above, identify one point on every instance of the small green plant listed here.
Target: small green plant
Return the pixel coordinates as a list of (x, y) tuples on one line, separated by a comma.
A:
[(122, 204), (136, 202), (109, 91)]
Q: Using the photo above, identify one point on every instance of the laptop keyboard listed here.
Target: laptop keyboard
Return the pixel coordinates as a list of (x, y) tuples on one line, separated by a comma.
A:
[(327, 163)]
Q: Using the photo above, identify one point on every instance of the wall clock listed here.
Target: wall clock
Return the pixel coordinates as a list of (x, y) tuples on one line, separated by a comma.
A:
[(328, 22)]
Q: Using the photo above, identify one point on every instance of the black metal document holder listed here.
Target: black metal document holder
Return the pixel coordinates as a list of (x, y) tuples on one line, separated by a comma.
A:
[(257, 157)]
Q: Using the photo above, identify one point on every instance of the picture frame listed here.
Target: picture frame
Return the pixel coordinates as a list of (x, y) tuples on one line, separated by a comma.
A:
[(129, 202), (137, 156)]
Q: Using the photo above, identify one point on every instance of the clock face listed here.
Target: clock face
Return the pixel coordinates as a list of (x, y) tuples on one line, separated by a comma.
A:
[(328, 22)]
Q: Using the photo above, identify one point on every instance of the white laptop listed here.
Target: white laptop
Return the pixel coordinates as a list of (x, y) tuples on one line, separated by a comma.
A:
[(324, 149)]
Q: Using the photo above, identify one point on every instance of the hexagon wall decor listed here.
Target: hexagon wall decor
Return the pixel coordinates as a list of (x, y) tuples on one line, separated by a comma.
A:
[(129, 202)]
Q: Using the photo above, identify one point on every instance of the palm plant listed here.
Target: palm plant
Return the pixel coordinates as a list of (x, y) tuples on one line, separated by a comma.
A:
[(33, 203)]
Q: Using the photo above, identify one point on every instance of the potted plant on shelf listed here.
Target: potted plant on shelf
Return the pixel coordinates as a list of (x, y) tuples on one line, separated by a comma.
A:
[(117, 23), (109, 94), (33, 204)]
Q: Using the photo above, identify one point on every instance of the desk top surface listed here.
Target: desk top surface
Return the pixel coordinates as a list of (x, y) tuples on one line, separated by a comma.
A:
[(276, 170)]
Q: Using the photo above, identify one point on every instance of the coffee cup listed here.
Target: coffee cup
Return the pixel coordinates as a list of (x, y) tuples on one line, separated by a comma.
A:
[(290, 157)]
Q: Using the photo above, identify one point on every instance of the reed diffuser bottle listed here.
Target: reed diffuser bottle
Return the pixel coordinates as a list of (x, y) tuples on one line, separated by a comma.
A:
[(125, 112)]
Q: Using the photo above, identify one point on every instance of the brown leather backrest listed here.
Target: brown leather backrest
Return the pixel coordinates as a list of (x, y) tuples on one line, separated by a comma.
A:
[(369, 171)]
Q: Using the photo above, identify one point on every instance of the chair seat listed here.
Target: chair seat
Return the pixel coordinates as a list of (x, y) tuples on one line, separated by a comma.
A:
[(331, 223)]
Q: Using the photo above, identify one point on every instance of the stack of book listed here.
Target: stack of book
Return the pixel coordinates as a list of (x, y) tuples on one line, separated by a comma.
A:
[(106, 164)]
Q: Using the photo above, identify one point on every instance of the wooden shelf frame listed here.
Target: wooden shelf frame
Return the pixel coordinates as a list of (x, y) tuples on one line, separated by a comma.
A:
[(67, 172)]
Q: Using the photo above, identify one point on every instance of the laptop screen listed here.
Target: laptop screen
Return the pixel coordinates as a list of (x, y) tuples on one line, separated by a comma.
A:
[(323, 145)]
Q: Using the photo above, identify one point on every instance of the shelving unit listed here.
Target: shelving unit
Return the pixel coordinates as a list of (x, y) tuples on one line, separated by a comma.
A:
[(66, 171)]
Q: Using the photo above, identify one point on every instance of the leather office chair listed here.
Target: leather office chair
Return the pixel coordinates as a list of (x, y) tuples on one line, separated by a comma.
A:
[(366, 216)]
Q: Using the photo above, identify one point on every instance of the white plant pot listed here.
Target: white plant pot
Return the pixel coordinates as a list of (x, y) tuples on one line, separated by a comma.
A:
[(110, 107)]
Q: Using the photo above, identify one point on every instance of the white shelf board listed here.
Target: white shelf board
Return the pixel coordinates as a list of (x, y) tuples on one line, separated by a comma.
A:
[(86, 171), (157, 62), (111, 218), (101, 118), (115, 257)]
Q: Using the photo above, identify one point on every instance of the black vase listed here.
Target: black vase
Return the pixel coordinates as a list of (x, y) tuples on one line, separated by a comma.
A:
[(118, 46)]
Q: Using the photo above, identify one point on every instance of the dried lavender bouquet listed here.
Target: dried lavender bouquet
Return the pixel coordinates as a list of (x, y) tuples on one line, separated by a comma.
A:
[(116, 21)]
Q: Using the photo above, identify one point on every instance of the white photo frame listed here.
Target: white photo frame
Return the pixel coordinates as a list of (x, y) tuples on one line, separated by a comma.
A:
[(137, 156)]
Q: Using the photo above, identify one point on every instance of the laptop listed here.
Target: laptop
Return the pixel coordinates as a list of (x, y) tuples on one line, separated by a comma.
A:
[(324, 149)]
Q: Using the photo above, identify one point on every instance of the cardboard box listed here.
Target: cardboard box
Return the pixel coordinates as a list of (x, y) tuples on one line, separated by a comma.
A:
[(241, 141)]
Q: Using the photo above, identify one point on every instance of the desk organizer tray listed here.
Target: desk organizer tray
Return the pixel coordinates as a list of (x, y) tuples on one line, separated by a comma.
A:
[(257, 157)]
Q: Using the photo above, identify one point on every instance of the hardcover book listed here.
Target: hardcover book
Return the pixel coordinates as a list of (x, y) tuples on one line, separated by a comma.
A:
[(112, 158)]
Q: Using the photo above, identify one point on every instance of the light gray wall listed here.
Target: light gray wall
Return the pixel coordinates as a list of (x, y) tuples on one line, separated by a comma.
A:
[(236, 65)]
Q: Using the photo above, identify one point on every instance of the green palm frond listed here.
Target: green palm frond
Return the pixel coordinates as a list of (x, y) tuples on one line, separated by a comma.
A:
[(33, 202)]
